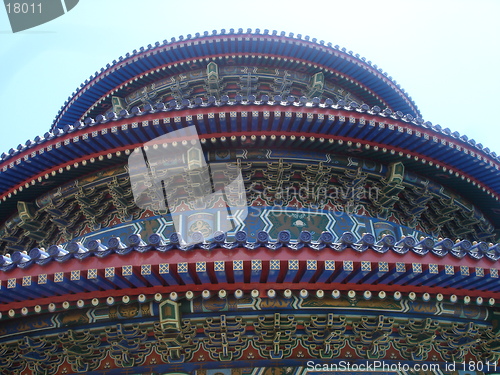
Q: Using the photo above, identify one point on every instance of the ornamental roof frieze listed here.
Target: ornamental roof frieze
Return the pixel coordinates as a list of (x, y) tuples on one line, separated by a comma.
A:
[(84, 333), (242, 79), (105, 197)]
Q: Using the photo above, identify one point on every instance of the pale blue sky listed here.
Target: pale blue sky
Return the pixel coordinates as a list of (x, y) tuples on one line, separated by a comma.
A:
[(445, 54)]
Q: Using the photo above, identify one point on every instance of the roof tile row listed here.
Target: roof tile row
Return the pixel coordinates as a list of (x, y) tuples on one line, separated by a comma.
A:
[(157, 242)]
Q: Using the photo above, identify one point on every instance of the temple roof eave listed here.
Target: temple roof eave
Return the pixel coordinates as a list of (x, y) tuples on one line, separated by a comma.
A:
[(144, 61), (384, 136)]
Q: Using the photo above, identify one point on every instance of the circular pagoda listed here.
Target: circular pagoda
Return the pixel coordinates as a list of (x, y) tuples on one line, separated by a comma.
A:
[(320, 224)]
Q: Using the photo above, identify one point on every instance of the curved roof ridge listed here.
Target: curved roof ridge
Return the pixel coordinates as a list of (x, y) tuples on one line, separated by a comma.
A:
[(441, 247), (175, 105), (198, 36)]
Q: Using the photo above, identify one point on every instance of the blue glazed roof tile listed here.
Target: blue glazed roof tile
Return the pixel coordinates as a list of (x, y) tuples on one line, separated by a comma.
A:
[(442, 248), (462, 160)]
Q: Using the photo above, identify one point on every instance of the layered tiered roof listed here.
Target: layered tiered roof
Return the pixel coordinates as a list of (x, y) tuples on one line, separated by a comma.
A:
[(408, 273)]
